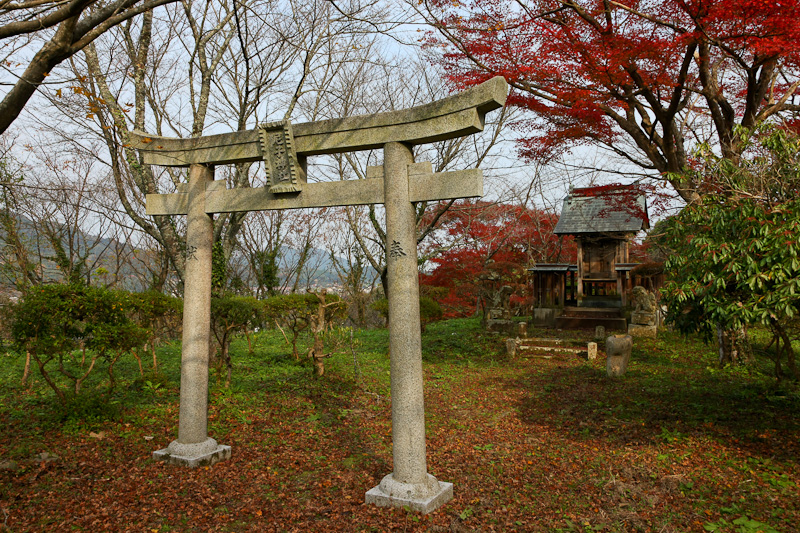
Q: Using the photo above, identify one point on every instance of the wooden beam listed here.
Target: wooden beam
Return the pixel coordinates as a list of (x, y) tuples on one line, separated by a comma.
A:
[(455, 116), (579, 281), (421, 188)]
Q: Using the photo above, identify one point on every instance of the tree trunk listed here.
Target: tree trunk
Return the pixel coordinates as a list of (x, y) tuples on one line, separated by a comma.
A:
[(247, 334), (79, 381), (385, 281), (139, 358), (781, 337), (226, 360), (734, 346), (155, 360), (112, 382), (360, 309), (790, 361), (41, 364), (317, 352), (213, 359), (51, 54), (26, 373), (295, 353)]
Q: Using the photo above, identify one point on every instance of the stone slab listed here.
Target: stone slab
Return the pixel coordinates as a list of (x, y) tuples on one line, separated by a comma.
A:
[(643, 318), (501, 326), (9, 465), (589, 322), (638, 330), (544, 317), (375, 496), (545, 341), (221, 453), (564, 350)]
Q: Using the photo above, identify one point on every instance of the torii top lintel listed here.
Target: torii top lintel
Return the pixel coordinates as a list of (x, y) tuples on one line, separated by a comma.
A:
[(455, 116)]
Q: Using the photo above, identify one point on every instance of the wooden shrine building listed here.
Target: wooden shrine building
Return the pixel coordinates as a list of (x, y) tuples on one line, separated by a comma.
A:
[(603, 220)]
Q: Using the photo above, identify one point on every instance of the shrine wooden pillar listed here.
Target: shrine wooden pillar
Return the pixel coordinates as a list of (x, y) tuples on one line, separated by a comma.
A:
[(579, 276)]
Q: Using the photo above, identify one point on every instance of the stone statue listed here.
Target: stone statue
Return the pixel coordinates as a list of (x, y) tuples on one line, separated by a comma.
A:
[(644, 301), (500, 307), (643, 317), (505, 300)]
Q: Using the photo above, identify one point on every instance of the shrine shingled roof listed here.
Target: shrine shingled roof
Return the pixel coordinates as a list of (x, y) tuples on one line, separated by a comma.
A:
[(609, 209)]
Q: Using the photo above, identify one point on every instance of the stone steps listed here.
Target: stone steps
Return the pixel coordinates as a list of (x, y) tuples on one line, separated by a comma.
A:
[(590, 318), (561, 350), (594, 312), (535, 347), (588, 322)]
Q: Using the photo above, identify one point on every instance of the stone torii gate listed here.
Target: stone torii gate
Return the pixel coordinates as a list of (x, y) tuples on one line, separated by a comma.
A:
[(397, 184)]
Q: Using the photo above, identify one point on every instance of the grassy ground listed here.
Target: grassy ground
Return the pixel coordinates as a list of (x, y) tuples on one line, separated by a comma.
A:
[(531, 444)]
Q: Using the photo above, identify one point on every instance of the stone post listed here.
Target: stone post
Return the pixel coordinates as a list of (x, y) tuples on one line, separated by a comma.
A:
[(409, 485), (194, 447), (618, 352), (511, 347), (591, 351), (599, 333)]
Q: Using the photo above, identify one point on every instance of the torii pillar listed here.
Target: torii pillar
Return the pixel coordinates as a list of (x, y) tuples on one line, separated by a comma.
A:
[(194, 447), (410, 485), (397, 184)]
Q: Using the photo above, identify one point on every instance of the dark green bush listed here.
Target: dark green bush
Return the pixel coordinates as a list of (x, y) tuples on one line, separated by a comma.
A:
[(429, 310), (291, 311), (381, 305), (72, 330), (159, 316), (297, 312), (91, 406), (231, 315)]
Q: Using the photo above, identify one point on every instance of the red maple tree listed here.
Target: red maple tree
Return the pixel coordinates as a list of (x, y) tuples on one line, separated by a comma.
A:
[(478, 238), (648, 80)]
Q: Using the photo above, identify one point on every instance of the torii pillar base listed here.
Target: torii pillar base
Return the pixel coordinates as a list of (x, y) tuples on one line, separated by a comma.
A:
[(192, 455), (420, 497)]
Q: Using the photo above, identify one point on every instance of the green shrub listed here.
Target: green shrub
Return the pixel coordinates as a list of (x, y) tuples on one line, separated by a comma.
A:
[(299, 312), (429, 310), (159, 316), (151, 381), (381, 305), (231, 315), (293, 312), (72, 330), (89, 407)]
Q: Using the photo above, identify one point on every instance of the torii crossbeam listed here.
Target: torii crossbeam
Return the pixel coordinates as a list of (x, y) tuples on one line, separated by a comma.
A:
[(397, 184)]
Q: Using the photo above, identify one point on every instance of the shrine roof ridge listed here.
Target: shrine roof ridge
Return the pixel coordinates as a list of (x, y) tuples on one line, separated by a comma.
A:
[(620, 209)]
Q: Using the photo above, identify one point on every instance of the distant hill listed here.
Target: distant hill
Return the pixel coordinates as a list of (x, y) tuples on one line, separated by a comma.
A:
[(320, 270)]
